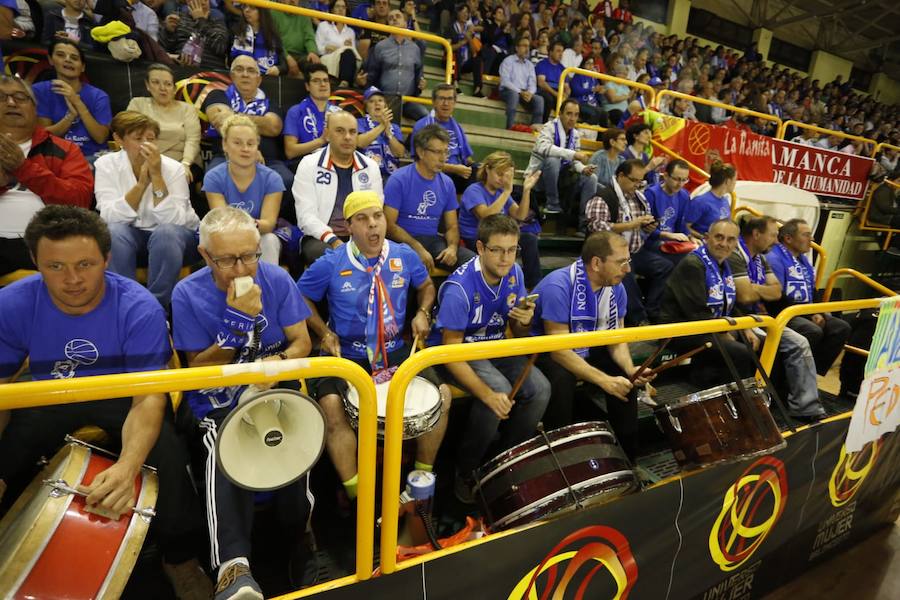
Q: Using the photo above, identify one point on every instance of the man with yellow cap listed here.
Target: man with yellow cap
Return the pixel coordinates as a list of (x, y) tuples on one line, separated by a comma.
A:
[(366, 284)]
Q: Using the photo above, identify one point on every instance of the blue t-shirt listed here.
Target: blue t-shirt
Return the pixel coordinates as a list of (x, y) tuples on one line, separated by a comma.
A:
[(126, 332), (11, 5), (379, 150), (550, 71), (669, 209), (420, 202), (469, 304), (796, 274), (475, 195), (583, 89), (345, 282), (305, 121), (266, 182), (51, 105), (458, 151), (256, 49), (554, 301), (197, 309), (706, 209)]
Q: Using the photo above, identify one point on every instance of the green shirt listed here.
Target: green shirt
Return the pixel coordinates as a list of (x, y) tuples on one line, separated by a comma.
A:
[(296, 31)]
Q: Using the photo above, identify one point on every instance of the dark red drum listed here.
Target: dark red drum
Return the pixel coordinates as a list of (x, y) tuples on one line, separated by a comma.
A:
[(525, 484), (713, 426)]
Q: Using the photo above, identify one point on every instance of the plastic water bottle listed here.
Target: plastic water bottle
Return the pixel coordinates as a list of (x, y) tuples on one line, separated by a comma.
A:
[(420, 492)]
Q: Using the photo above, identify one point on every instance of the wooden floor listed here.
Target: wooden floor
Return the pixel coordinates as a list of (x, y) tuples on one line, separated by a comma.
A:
[(868, 571)]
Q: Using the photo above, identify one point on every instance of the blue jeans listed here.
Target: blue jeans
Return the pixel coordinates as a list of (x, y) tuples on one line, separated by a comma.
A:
[(165, 248), (435, 244), (512, 99), (800, 369), (655, 270), (499, 374), (585, 186)]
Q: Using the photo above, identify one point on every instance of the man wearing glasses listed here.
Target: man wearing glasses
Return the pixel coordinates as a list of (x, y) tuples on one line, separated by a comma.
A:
[(419, 196), (460, 164), (669, 202), (214, 325), (36, 169), (476, 303), (588, 295), (623, 210)]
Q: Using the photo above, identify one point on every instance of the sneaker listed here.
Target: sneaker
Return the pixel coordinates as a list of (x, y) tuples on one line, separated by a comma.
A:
[(553, 209), (236, 583), (464, 489), (189, 580)]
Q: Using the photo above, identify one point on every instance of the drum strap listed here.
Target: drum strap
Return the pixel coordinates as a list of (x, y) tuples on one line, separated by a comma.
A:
[(771, 389), (745, 402)]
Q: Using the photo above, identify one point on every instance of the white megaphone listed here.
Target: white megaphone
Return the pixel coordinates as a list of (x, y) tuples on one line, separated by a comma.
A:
[(270, 439)]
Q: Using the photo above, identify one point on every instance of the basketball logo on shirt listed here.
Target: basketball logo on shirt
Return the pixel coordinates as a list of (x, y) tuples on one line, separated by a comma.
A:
[(309, 124), (78, 352), (429, 199)]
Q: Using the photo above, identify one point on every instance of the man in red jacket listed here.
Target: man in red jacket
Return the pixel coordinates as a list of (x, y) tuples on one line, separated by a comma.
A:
[(36, 169)]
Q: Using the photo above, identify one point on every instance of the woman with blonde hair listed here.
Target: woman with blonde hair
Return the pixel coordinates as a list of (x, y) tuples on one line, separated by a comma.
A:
[(244, 183), (491, 195), (715, 204)]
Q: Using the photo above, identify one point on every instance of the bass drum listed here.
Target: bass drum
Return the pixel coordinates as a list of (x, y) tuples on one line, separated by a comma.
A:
[(52, 548), (528, 482), (712, 426)]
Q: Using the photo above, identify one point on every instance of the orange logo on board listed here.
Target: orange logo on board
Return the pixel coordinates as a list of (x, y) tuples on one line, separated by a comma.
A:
[(750, 509), (850, 471)]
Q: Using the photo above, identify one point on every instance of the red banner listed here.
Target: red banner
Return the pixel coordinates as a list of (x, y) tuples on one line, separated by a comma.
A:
[(760, 158)]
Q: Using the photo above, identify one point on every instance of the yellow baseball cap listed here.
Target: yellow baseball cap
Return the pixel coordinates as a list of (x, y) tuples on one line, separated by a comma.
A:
[(357, 201)]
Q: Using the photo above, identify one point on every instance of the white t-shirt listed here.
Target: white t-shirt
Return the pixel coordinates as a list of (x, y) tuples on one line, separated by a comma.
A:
[(17, 205)]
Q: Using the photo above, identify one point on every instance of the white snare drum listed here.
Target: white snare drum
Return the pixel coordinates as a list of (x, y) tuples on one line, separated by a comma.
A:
[(421, 409)]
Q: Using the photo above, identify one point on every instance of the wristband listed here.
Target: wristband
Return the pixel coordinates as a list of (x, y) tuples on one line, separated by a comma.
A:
[(234, 328)]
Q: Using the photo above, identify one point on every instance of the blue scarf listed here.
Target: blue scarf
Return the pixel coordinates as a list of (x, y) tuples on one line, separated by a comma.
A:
[(755, 269), (585, 307), (571, 142), (381, 322), (254, 45), (459, 34), (800, 282), (720, 292), (259, 106)]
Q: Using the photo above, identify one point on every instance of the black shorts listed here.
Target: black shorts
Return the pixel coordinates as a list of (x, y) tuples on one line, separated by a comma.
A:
[(320, 388)]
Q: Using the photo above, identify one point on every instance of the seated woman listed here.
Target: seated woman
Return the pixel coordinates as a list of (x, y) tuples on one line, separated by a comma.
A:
[(143, 196), (336, 44), (585, 90), (244, 183), (68, 108), (491, 195), (706, 209), (255, 35), (179, 125)]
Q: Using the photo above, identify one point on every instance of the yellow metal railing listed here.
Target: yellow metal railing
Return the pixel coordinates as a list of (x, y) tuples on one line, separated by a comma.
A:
[(783, 127), (393, 438), (864, 224), (560, 91), (798, 310), (845, 272), (675, 155), (324, 16), (737, 109), (823, 255), (104, 387)]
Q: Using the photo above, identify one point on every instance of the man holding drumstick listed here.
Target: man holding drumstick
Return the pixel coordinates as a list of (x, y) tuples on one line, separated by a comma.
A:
[(476, 303), (588, 295), (366, 283)]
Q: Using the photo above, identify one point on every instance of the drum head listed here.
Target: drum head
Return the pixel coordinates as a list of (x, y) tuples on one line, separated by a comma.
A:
[(421, 396), (715, 392)]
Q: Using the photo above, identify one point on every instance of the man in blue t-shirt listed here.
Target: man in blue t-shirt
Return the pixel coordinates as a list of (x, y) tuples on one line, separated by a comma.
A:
[(476, 303), (548, 72), (76, 319), (304, 125), (460, 163), (418, 196), (588, 295), (366, 284), (669, 202), (826, 333), (213, 325)]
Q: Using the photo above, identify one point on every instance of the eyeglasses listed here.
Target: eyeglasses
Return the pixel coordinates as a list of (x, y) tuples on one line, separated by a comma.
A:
[(622, 262), (445, 152), (635, 181), (444, 99), (18, 97), (229, 262), (499, 251)]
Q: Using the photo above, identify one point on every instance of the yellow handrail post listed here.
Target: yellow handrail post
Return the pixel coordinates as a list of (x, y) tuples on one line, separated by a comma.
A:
[(845, 272), (393, 437), (560, 91), (673, 154), (737, 109), (783, 127), (104, 387), (323, 16)]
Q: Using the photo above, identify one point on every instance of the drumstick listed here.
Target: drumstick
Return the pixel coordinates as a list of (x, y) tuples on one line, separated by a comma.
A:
[(522, 376), (679, 359), (415, 346), (647, 362)]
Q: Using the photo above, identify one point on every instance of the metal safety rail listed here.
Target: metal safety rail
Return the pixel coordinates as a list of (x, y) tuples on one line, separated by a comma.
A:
[(845, 272), (568, 71), (393, 438), (864, 224), (783, 127), (823, 255), (324, 16), (717, 104), (104, 387)]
